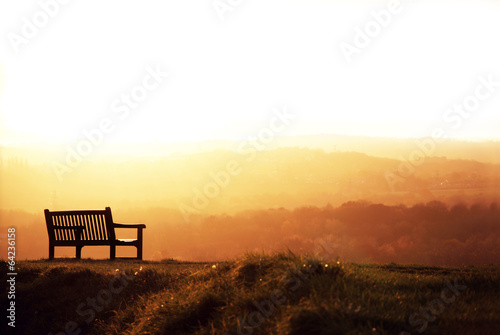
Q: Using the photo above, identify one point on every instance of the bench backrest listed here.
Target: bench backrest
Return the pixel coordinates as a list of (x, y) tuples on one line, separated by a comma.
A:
[(97, 225)]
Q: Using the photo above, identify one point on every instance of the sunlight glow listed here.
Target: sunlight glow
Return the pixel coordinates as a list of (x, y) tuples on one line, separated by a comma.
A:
[(225, 76)]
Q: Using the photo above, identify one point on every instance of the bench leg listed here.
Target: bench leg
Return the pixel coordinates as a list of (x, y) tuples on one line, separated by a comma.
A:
[(79, 252), (112, 251), (139, 252), (139, 246), (51, 251)]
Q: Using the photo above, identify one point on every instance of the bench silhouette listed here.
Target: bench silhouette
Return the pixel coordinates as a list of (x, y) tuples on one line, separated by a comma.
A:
[(88, 227)]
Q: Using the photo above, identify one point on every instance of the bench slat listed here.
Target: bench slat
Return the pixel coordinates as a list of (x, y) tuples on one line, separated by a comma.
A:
[(60, 233), (88, 222), (91, 225), (76, 233), (95, 236), (67, 233), (102, 225), (100, 233), (97, 225), (63, 224), (88, 231), (71, 234), (78, 222)]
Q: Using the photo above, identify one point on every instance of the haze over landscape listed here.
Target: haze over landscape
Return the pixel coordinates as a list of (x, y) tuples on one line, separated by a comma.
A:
[(225, 136), (220, 203)]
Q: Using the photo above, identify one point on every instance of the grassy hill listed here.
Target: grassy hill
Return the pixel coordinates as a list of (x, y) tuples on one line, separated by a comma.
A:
[(256, 294)]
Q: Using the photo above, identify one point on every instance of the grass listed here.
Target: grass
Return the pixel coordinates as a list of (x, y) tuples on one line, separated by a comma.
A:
[(257, 294)]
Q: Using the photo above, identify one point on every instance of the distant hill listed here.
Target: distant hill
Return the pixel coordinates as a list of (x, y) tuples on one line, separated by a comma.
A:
[(486, 151), (286, 177)]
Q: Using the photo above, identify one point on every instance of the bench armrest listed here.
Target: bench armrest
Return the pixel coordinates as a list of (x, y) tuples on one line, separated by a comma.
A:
[(121, 225), (139, 227)]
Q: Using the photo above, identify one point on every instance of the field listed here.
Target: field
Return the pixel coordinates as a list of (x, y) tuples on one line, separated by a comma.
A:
[(282, 293)]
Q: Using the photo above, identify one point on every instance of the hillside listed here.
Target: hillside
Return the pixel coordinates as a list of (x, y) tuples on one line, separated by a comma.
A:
[(357, 231), (254, 294), (394, 148), (227, 182)]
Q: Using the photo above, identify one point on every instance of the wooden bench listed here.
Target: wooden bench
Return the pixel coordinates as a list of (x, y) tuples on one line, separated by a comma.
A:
[(88, 227)]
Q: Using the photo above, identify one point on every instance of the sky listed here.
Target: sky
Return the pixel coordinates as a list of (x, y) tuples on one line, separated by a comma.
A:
[(145, 71)]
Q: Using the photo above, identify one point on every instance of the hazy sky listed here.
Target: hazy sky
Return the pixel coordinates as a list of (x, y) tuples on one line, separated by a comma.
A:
[(229, 66)]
